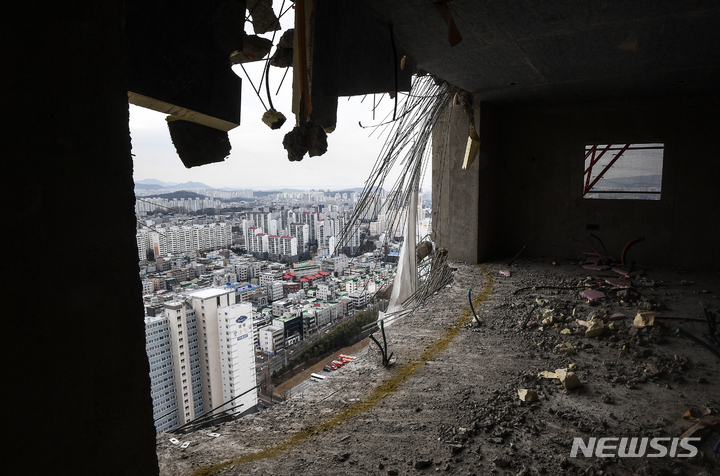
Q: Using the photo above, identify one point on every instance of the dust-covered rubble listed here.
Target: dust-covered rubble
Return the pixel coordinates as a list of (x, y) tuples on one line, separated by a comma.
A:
[(461, 413)]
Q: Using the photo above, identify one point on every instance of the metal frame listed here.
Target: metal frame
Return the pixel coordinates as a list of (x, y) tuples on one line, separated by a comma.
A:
[(594, 159)]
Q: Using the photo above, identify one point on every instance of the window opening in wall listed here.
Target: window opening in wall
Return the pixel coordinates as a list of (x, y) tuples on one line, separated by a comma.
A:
[(623, 171)]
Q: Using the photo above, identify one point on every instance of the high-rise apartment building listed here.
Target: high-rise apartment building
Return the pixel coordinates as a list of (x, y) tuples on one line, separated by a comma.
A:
[(237, 357), (182, 325), (162, 381), (222, 361)]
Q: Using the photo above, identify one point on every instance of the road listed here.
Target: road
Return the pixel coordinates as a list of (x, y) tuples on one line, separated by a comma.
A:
[(274, 362)]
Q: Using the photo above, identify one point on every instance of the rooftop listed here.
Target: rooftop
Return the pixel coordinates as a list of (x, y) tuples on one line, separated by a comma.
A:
[(210, 293)]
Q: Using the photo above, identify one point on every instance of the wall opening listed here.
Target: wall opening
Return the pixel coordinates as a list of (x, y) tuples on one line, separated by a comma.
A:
[(623, 171)]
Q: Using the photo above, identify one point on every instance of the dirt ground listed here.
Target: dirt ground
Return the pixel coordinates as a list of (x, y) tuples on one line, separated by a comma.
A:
[(450, 403)]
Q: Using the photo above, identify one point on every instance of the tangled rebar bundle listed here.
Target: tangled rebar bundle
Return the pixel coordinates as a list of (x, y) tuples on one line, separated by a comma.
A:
[(407, 145), (434, 274)]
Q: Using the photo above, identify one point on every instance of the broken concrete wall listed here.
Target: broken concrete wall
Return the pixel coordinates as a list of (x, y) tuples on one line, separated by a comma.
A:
[(541, 162), (77, 391)]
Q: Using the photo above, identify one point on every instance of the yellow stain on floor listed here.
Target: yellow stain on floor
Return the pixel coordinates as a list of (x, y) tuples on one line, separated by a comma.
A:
[(401, 375)]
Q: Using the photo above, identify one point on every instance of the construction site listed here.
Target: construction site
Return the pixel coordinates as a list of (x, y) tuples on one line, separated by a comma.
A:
[(562, 317)]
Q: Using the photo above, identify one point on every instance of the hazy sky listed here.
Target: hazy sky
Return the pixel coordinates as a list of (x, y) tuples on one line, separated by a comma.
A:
[(257, 159)]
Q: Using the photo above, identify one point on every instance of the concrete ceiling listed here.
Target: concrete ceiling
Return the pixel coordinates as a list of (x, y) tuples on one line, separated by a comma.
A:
[(534, 51)]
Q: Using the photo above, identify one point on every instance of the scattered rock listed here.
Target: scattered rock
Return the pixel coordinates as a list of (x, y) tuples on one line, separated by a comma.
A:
[(423, 463), (527, 395)]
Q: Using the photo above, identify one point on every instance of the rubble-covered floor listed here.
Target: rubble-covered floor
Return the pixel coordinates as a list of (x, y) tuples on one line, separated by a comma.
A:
[(459, 412)]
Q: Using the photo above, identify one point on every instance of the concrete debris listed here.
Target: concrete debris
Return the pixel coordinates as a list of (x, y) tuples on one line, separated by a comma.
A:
[(644, 319), (702, 418), (527, 395), (482, 421), (595, 327), (567, 378), (592, 294), (565, 348), (273, 119), (283, 56), (423, 249), (254, 48), (197, 144), (303, 139), (263, 16)]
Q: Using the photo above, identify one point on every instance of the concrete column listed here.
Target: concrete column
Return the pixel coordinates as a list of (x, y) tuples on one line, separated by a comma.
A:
[(455, 191)]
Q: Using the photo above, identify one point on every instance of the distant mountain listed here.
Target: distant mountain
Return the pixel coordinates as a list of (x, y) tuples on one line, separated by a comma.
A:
[(179, 194), (148, 186), (154, 184), (153, 181), (187, 185)]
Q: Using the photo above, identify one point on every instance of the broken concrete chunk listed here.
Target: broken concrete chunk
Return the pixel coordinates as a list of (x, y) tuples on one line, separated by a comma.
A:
[(263, 16), (254, 48), (568, 379), (283, 56), (644, 319), (274, 119), (303, 139), (596, 329), (197, 144), (566, 348), (527, 395)]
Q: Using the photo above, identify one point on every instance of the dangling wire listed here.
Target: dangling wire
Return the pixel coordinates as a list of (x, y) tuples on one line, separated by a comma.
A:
[(407, 146)]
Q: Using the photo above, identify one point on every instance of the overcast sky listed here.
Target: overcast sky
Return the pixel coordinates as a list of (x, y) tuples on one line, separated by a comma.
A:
[(257, 159)]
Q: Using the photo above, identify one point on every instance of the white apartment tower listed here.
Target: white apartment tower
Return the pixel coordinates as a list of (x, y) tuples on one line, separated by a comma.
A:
[(237, 357), (225, 356)]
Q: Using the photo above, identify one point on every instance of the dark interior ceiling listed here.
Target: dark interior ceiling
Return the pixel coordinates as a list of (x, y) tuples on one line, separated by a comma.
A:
[(534, 51)]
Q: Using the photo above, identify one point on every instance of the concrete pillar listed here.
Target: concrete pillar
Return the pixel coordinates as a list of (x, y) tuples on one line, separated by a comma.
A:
[(455, 191)]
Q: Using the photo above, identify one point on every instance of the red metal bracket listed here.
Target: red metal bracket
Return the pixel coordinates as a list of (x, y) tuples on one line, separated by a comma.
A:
[(594, 160)]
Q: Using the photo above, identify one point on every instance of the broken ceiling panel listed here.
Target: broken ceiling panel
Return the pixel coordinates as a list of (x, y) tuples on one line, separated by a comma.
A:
[(176, 63)]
